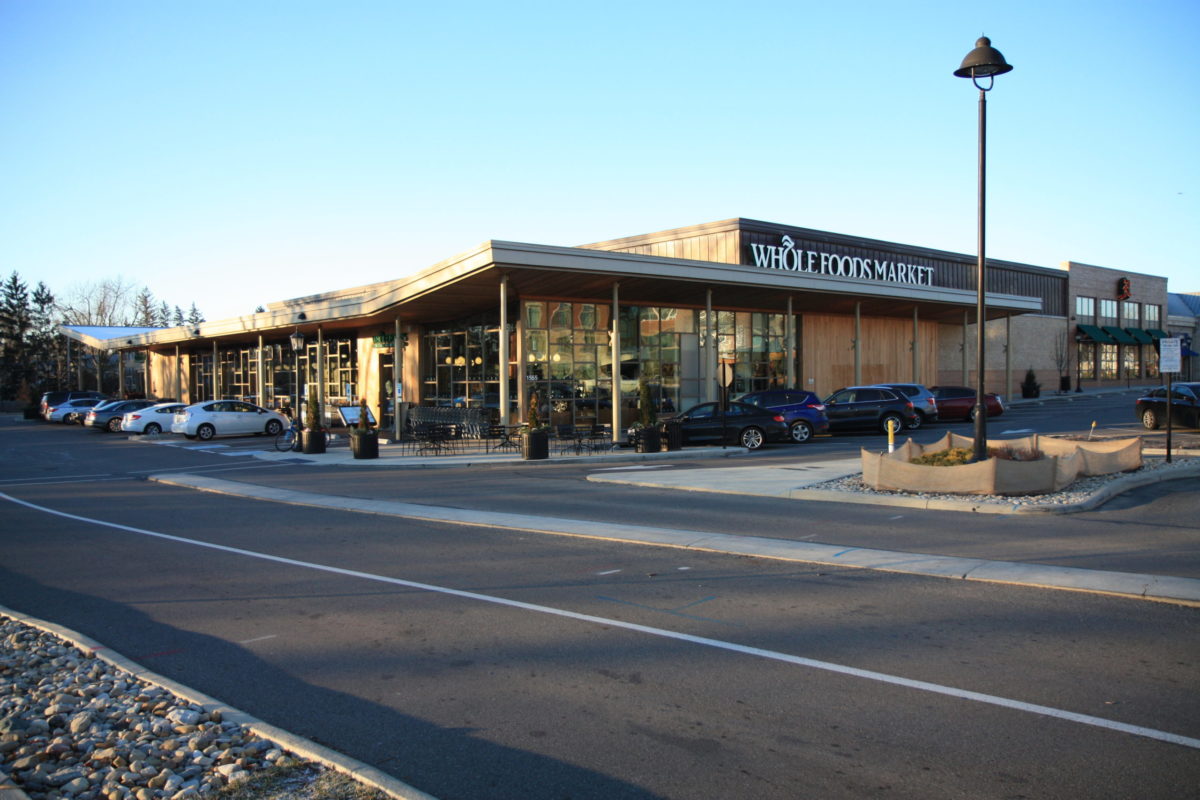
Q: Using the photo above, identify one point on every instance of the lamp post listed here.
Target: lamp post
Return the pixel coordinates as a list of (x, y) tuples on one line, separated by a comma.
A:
[(984, 61), (297, 340)]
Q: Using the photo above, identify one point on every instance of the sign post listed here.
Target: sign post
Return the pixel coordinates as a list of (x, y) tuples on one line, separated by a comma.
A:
[(1170, 361)]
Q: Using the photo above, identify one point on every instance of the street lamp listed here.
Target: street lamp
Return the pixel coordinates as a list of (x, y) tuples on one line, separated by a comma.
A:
[(297, 340), (984, 61)]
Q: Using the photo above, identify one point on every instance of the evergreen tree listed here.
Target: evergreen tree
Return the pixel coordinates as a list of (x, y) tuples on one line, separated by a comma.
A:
[(47, 348), (14, 333), (162, 317), (177, 318), (144, 311), (194, 316)]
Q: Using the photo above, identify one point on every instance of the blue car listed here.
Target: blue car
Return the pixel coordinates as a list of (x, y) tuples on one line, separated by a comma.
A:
[(803, 411)]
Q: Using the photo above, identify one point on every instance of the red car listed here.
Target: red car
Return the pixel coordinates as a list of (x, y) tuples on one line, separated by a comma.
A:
[(958, 402)]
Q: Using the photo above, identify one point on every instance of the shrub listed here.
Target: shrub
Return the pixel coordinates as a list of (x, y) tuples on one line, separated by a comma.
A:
[(956, 456)]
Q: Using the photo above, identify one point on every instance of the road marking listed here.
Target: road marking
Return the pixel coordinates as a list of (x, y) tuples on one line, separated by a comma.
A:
[(61, 477), (787, 658), (1018, 430), (609, 572), (259, 639), (641, 466)]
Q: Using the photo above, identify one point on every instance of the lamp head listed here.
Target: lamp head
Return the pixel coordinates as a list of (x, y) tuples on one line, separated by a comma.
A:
[(297, 340), (984, 61)]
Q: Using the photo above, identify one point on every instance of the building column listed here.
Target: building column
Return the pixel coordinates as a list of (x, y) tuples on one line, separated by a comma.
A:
[(710, 355), (615, 355), (398, 351), (320, 377), (916, 347), (146, 372), (503, 354), (216, 372), (964, 349), (99, 370), (790, 345), (857, 340), (261, 388), (1008, 356), (121, 373)]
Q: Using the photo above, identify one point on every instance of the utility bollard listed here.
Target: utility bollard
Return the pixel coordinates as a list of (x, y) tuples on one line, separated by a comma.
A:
[(891, 426)]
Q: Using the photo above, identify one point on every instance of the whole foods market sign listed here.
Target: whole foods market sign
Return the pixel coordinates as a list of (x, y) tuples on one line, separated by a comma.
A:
[(789, 258)]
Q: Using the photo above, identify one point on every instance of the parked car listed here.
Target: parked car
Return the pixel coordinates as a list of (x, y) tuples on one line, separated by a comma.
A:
[(923, 400), (865, 407), (803, 411), (227, 418), (151, 419), (958, 403), (1185, 406), (742, 423), (58, 398), (107, 416), (69, 411)]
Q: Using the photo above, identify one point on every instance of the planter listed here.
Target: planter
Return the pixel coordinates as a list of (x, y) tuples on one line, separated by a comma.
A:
[(672, 434), (365, 445), (313, 441), (535, 445), (648, 440)]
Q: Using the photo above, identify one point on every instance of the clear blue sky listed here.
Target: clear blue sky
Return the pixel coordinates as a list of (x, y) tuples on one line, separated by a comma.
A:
[(237, 153)]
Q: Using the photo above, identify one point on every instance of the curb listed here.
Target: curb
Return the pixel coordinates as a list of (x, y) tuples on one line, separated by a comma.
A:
[(302, 747), (1097, 499)]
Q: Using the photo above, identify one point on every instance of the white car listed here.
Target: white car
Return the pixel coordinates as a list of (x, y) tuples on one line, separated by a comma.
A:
[(71, 411), (152, 420), (226, 418)]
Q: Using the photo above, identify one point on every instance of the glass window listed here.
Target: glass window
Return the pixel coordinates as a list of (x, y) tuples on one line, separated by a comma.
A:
[(1131, 313), (1108, 361), (1108, 312), (1131, 363), (1085, 310), (1087, 360), (1150, 315)]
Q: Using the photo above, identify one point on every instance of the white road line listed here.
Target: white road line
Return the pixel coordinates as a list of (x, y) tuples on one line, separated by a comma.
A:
[(880, 677), (629, 469), (259, 639)]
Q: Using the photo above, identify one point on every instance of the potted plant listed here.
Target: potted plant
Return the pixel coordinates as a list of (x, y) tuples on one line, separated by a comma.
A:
[(535, 437), (313, 435), (647, 438), (364, 439), (1030, 386)]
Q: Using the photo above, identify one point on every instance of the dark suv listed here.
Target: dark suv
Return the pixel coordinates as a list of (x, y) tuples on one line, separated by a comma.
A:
[(859, 407), (923, 400), (801, 410)]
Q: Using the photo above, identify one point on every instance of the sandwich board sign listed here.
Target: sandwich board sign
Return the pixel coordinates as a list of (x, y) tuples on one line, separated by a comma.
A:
[(1169, 355)]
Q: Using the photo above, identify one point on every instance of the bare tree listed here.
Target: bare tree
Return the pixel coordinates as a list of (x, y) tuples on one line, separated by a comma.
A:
[(109, 303)]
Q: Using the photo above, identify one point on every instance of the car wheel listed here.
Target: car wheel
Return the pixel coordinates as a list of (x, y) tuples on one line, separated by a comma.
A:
[(1150, 419), (918, 421), (206, 432), (274, 428), (752, 438), (68, 419), (800, 431), (114, 425), (153, 429), (883, 422), (971, 414)]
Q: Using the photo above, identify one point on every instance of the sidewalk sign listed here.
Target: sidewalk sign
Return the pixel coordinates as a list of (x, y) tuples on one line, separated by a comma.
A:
[(1169, 363)]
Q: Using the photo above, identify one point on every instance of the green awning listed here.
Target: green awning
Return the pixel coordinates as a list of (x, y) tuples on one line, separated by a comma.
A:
[(1118, 334), (1141, 336), (1157, 334), (1095, 334)]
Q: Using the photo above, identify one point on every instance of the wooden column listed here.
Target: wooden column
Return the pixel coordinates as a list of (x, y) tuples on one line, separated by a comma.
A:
[(261, 388), (615, 355), (857, 340), (216, 372), (505, 413), (790, 345), (320, 377), (398, 353), (710, 354), (966, 323), (916, 347)]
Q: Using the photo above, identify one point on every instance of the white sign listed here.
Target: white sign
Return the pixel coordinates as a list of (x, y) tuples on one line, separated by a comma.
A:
[(786, 256), (1169, 356)]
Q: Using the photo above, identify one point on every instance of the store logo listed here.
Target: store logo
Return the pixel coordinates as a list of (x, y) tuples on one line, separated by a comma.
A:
[(788, 257), (1124, 290)]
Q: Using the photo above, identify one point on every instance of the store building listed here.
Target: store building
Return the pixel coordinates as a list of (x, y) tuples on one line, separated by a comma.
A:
[(750, 303)]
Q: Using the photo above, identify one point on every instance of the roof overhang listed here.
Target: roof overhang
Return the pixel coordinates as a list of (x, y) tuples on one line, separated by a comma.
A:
[(469, 283)]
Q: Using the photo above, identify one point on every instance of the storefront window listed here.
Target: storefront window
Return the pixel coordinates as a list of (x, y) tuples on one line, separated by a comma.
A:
[(1131, 363), (1151, 359), (1087, 361), (1150, 315), (461, 367), (1108, 362), (1131, 313), (1108, 312)]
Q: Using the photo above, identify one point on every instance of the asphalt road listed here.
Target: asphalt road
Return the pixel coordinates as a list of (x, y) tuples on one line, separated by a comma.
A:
[(475, 663)]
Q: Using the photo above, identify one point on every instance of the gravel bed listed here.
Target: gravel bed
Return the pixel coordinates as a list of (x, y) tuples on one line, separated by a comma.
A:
[(1077, 492), (74, 726)]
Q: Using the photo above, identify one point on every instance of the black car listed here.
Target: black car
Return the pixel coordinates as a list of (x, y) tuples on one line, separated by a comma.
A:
[(742, 423), (1185, 406), (802, 411), (866, 407)]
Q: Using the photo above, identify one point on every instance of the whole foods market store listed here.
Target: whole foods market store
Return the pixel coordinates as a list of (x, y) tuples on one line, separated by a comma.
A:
[(764, 305)]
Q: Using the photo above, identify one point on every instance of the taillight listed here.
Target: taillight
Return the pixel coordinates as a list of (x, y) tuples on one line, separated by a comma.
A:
[(909, 405), (779, 418), (51, 409), (134, 416), (816, 406)]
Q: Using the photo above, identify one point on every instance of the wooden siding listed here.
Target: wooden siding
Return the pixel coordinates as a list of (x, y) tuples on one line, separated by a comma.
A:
[(827, 352)]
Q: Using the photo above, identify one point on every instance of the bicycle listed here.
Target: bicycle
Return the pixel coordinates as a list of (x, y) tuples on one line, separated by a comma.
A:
[(288, 439)]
